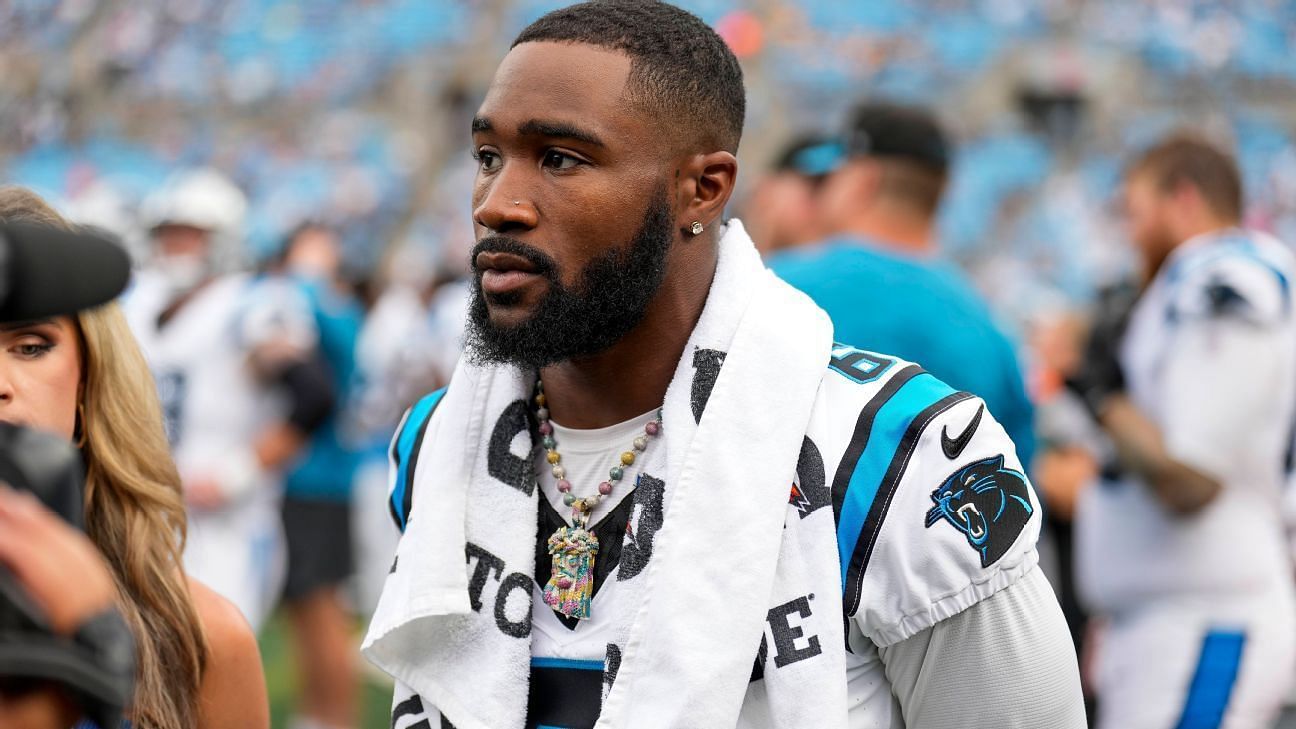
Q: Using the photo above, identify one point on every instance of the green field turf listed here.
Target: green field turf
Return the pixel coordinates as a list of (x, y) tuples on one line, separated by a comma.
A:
[(281, 681)]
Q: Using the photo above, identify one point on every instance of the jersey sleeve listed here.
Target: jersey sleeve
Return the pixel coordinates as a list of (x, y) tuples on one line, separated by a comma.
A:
[(938, 513), (1229, 346), (1021, 675), (403, 455)]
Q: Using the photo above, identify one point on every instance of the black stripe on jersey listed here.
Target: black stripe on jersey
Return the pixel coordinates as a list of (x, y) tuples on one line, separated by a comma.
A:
[(407, 504), (401, 498), (393, 452), (408, 507), (863, 428), (566, 697), (395, 515), (882, 502)]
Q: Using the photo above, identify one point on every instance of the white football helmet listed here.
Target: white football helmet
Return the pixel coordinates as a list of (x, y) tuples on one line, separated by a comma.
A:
[(205, 199), (202, 198)]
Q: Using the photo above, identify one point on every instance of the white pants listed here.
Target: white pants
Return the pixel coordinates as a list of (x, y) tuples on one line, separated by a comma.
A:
[(239, 553), (1197, 663)]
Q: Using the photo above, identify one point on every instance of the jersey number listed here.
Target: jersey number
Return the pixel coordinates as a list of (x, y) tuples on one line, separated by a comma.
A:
[(858, 365)]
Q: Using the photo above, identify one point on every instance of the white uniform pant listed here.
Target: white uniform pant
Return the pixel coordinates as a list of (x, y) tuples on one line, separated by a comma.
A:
[(239, 553), (1197, 663)]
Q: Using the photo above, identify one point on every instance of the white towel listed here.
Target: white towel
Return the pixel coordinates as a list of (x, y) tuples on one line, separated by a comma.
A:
[(688, 649)]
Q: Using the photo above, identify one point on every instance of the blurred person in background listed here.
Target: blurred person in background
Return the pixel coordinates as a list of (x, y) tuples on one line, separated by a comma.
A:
[(1181, 545), (318, 492), (242, 387), (1067, 457), (83, 377), (879, 275), (410, 344), (782, 209)]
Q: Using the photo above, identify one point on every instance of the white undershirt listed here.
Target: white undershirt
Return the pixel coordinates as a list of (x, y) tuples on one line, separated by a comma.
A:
[(588, 456)]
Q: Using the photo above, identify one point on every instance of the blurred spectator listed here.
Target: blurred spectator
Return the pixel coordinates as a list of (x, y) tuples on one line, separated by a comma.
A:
[(318, 491), (878, 275), (1067, 456), (782, 210)]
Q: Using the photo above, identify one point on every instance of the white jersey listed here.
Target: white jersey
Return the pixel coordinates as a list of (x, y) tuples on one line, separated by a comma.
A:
[(921, 488), (215, 408), (561, 648), (1210, 358)]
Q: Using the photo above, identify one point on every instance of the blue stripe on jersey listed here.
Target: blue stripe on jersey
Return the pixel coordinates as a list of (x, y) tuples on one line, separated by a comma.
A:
[(568, 663), (403, 450), (1213, 681), (892, 419)]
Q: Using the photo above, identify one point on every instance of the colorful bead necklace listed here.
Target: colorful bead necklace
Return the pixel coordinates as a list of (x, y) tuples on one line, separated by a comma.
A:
[(574, 548)]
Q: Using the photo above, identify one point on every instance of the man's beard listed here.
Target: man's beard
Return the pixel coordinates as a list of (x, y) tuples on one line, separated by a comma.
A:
[(609, 299), (1155, 248)]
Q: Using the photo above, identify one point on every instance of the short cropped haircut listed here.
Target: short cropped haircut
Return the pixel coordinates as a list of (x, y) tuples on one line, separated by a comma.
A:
[(1189, 158), (916, 184), (681, 70), (910, 145)]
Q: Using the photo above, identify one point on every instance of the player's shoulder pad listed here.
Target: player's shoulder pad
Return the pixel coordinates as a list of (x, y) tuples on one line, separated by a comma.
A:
[(933, 511), (405, 447), (1244, 278)]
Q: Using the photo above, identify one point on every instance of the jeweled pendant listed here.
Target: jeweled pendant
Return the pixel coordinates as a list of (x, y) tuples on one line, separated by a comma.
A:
[(571, 581)]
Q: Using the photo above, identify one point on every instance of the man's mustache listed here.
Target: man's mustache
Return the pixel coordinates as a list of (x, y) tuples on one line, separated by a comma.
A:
[(544, 265)]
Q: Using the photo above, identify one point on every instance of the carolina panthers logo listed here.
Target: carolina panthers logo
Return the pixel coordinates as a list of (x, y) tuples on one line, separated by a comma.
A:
[(990, 504)]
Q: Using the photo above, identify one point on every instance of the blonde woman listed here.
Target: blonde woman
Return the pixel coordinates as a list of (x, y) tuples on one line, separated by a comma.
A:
[(83, 377)]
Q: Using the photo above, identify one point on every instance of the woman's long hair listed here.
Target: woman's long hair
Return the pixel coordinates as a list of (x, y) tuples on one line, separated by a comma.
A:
[(134, 511), (135, 514)]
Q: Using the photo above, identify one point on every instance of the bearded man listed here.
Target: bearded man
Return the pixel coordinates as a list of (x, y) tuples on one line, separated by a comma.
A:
[(1192, 376), (657, 494)]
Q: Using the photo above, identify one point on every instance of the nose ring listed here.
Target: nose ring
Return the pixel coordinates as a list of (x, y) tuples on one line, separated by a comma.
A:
[(517, 202)]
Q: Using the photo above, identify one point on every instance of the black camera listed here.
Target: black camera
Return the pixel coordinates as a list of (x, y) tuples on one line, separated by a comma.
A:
[(46, 272), (96, 666)]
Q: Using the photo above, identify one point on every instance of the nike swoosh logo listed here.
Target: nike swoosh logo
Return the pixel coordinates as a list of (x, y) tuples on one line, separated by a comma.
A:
[(953, 447)]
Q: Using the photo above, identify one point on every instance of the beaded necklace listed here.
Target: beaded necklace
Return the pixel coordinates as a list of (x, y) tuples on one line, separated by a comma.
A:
[(574, 548)]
